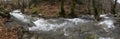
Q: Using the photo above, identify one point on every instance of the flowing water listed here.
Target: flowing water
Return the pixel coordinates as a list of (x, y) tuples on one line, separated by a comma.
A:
[(66, 28)]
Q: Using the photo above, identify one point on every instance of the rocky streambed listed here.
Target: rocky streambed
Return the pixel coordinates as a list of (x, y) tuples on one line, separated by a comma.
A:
[(83, 27)]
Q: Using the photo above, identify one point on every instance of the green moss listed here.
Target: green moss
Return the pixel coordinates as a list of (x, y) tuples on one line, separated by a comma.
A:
[(34, 10), (91, 36)]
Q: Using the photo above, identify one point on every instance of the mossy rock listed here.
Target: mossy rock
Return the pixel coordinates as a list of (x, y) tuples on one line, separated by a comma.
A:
[(91, 36)]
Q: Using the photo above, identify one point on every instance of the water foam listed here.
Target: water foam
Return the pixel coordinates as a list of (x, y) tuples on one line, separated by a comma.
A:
[(107, 23), (18, 15), (42, 24), (105, 38)]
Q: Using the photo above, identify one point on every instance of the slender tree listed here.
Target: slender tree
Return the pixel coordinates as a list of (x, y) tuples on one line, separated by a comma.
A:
[(62, 12), (28, 2), (4, 3), (72, 12), (96, 13), (89, 7), (113, 11), (20, 4)]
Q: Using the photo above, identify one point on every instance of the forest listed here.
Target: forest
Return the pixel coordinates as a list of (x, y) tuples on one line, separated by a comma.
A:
[(59, 19)]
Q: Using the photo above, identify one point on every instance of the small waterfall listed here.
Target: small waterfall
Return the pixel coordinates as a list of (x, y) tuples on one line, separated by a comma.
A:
[(18, 15), (22, 18)]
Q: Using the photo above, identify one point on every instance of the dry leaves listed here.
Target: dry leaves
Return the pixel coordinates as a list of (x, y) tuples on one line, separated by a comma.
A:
[(7, 33)]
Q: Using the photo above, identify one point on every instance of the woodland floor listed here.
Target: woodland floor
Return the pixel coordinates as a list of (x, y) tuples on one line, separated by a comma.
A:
[(6, 33)]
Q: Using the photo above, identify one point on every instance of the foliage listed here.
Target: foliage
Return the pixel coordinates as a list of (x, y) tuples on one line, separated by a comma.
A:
[(34, 10), (4, 13)]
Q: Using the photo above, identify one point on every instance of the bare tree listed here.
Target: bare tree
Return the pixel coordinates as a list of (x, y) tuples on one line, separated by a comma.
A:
[(4, 3), (0, 2), (72, 13), (62, 12), (96, 12), (23, 4), (113, 11), (89, 7)]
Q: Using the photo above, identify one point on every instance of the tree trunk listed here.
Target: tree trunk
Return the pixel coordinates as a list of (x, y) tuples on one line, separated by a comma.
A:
[(96, 13), (89, 7), (113, 11), (62, 12), (72, 13)]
